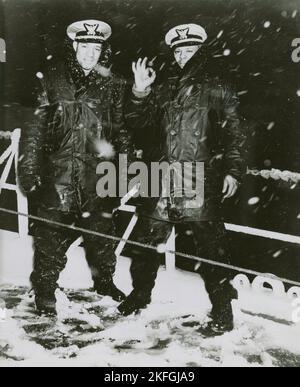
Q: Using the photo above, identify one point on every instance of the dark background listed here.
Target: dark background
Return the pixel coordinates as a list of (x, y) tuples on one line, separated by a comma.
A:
[(260, 65)]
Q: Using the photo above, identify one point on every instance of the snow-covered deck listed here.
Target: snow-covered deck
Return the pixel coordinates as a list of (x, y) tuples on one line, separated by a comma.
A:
[(180, 290), (163, 335)]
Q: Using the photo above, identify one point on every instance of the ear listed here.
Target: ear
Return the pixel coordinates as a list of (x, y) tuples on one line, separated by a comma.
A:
[(75, 45)]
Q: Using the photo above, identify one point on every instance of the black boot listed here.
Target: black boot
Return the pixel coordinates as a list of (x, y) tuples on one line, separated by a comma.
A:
[(134, 303), (109, 289), (215, 328), (46, 305), (222, 322)]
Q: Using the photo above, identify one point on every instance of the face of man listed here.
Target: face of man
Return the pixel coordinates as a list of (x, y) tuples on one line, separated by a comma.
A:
[(87, 55), (184, 54)]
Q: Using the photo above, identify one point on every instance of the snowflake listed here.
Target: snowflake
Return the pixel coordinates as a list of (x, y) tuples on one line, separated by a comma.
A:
[(241, 51), (253, 201), (220, 34), (277, 253), (227, 52)]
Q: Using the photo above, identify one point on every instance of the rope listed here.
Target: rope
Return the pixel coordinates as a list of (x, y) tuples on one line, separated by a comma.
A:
[(143, 245), (276, 174)]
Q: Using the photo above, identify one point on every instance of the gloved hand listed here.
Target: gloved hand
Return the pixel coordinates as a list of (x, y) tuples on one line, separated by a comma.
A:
[(30, 183)]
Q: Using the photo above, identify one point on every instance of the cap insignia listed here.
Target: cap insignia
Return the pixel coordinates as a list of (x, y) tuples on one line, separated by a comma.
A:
[(91, 29), (183, 34)]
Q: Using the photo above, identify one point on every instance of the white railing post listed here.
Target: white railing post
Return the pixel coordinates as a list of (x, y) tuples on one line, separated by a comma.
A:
[(11, 154), (22, 203), (170, 257)]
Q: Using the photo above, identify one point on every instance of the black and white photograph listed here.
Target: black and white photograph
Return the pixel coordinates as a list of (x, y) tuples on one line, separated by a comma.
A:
[(150, 186)]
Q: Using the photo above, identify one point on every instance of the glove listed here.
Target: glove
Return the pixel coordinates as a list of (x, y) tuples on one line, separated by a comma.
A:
[(30, 183)]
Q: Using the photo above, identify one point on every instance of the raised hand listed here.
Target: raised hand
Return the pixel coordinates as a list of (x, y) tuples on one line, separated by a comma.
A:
[(144, 76)]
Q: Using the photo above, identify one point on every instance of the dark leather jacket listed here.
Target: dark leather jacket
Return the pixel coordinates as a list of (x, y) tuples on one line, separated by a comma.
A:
[(190, 117), (59, 152)]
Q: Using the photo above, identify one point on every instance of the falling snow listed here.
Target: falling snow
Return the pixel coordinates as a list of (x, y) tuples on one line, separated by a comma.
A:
[(277, 253), (253, 201), (226, 52), (154, 338), (220, 34)]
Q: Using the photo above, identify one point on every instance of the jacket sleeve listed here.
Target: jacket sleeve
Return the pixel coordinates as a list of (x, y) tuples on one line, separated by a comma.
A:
[(31, 145), (234, 137), (142, 115), (122, 137)]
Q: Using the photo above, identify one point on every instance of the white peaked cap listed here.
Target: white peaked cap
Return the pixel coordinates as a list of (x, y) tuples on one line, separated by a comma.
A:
[(93, 31), (186, 34)]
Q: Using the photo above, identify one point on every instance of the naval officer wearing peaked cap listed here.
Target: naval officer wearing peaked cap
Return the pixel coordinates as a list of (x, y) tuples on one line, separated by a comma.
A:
[(80, 122), (179, 120), (90, 40)]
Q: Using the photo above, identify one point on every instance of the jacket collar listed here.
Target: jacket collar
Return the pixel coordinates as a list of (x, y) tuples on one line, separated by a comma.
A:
[(195, 68)]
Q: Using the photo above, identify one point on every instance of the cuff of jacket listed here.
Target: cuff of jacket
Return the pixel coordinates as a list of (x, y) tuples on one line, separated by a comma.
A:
[(238, 174), (141, 94)]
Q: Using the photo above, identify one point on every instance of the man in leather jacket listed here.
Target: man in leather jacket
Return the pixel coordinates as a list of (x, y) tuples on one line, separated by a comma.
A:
[(189, 117), (79, 123)]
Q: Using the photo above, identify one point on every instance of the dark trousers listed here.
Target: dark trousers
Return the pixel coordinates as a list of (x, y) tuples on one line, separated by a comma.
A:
[(51, 243), (209, 240)]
